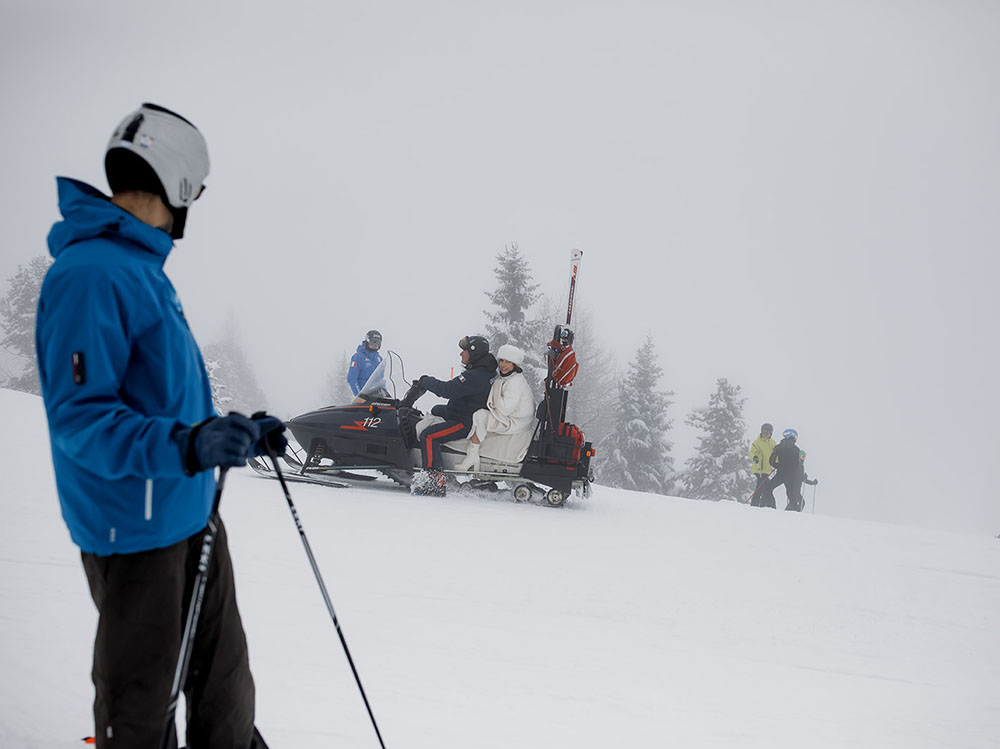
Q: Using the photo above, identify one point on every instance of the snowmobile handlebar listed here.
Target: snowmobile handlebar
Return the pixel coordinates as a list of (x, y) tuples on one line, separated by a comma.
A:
[(412, 395)]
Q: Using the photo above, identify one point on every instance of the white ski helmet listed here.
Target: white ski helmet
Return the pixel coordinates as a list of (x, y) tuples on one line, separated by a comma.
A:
[(512, 354), (156, 150)]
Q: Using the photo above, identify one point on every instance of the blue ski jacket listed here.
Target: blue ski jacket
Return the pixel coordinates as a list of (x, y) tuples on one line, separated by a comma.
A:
[(120, 371), (363, 363)]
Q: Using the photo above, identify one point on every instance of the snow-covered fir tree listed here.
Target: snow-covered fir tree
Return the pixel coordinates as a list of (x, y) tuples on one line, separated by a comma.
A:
[(18, 308), (636, 455), (233, 379), (719, 470), (220, 400), (338, 392), (512, 321)]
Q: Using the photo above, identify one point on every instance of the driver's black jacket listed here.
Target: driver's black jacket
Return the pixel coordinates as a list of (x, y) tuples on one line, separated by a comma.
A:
[(466, 393)]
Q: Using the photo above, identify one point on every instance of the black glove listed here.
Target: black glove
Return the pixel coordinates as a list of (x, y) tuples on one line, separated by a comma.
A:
[(424, 379), (756, 459), (272, 437), (218, 441)]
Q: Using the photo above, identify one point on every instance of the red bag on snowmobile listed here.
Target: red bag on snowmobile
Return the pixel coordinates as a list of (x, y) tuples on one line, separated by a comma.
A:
[(564, 366), (573, 432)]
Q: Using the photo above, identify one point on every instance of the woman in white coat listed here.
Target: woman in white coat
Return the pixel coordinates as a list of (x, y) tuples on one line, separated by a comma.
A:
[(510, 408)]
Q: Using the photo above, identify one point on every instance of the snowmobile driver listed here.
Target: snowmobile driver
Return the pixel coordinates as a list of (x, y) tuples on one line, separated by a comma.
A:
[(135, 439), (466, 394)]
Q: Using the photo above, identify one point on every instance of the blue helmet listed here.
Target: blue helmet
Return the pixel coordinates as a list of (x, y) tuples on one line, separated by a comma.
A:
[(790, 434)]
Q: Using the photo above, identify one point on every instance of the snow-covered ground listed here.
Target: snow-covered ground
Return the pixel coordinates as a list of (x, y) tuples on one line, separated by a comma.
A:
[(623, 620)]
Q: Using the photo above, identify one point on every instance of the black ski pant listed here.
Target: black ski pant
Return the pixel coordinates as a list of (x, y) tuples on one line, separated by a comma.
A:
[(142, 601), (436, 435), (761, 497), (793, 490)]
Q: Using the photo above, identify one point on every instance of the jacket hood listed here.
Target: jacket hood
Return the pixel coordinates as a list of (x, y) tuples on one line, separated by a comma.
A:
[(486, 361), (89, 213)]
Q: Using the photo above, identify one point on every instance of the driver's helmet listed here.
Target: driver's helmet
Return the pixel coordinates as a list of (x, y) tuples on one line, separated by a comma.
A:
[(476, 345), (790, 434), (373, 340)]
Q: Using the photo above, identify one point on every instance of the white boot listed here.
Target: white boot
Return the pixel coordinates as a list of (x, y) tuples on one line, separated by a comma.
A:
[(471, 462)]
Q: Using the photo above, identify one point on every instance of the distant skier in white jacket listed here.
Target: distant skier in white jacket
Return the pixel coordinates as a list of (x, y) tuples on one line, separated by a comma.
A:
[(510, 409)]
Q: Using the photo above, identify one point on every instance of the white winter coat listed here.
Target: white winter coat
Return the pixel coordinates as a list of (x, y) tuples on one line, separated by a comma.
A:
[(509, 408), (506, 425)]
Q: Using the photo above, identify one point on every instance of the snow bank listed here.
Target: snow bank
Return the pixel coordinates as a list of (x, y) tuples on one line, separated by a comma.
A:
[(622, 620)]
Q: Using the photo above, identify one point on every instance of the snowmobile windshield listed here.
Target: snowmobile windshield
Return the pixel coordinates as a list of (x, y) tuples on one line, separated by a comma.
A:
[(386, 380)]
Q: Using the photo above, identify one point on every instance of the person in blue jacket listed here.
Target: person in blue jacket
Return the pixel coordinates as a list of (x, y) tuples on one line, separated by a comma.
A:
[(466, 394), (364, 361), (134, 440)]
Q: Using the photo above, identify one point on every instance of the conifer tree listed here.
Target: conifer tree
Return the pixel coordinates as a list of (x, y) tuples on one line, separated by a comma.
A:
[(18, 309), (234, 384), (512, 320), (338, 392), (220, 400), (637, 453), (720, 470)]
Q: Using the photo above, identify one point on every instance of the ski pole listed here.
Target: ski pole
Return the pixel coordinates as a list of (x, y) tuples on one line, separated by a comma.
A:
[(194, 611), (322, 587), (760, 486), (814, 498)]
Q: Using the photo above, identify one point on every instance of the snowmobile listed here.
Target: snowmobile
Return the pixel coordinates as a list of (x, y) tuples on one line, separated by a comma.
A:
[(352, 444)]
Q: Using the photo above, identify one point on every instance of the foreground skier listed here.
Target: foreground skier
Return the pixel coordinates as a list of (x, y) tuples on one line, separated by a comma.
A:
[(134, 437)]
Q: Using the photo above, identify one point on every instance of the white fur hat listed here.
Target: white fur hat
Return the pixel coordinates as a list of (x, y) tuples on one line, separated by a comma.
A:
[(512, 354)]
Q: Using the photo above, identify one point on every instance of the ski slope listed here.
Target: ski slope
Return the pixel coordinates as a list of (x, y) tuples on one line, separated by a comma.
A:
[(624, 620)]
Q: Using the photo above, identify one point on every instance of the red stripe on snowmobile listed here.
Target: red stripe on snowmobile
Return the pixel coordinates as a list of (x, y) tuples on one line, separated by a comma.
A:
[(359, 426), (442, 433)]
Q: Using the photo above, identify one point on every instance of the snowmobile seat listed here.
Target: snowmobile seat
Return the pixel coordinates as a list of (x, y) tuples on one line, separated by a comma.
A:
[(500, 453), (501, 448)]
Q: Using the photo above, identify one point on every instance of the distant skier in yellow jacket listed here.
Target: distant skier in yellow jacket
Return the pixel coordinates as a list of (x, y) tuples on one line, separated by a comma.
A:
[(760, 462)]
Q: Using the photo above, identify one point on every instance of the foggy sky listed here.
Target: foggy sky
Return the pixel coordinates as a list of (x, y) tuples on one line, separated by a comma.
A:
[(800, 197)]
